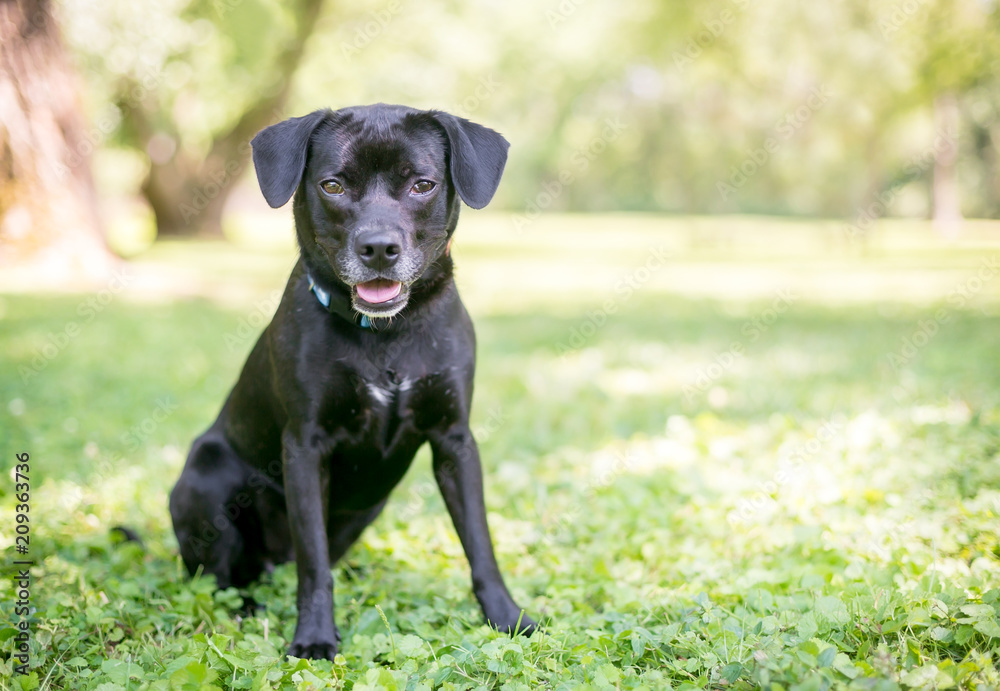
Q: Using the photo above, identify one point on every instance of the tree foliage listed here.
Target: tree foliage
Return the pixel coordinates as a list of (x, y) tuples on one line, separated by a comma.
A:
[(722, 106)]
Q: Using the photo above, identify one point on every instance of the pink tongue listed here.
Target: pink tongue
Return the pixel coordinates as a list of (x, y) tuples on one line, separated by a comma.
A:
[(379, 290)]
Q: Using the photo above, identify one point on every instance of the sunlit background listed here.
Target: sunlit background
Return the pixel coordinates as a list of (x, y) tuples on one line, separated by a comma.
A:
[(738, 309), (851, 110)]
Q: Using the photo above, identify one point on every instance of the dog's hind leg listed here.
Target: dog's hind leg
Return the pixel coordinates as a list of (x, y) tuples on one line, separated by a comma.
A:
[(214, 514)]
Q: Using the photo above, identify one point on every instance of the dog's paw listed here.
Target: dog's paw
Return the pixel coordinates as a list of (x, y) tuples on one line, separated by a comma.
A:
[(314, 651), (322, 649), (520, 624)]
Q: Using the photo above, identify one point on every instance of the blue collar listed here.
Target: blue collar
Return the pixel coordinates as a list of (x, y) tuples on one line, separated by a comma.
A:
[(342, 309)]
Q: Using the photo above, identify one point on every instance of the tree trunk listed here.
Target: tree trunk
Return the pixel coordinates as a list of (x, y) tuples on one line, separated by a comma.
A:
[(49, 224), (188, 196), (985, 141), (947, 215), (186, 201)]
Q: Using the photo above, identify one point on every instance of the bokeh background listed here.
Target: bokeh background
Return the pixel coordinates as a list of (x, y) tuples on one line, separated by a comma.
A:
[(853, 110), (738, 310)]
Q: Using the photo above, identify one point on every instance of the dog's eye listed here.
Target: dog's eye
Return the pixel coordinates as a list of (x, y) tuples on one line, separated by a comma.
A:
[(332, 187), (422, 187)]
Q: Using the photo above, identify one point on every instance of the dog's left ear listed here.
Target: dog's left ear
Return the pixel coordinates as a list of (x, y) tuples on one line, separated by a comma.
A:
[(478, 155), (279, 156)]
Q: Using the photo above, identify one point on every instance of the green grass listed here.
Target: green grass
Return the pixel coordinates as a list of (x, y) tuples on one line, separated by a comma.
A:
[(806, 513)]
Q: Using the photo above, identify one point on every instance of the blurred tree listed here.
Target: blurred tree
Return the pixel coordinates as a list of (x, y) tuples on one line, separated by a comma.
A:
[(48, 211), (191, 81), (639, 105), (187, 190), (984, 123), (945, 204), (952, 46)]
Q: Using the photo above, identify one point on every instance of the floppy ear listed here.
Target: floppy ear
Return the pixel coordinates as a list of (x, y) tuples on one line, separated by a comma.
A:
[(279, 156), (478, 155)]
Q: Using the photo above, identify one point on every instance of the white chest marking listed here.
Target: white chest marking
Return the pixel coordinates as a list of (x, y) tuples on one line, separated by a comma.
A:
[(384, 394)]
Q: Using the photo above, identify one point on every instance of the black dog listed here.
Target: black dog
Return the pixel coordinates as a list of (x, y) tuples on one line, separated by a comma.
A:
[(369, 355)]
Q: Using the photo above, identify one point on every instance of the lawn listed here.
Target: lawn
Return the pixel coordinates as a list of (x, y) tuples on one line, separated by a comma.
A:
[(719, 453)]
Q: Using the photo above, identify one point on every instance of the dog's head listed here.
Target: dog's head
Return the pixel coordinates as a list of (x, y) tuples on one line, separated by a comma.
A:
[(376, 192)]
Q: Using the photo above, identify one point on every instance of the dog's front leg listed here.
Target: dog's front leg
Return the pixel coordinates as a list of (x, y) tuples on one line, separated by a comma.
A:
[(307, 485), (460, 477)]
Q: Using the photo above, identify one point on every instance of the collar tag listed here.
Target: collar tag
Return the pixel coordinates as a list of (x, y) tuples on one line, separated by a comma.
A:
[(321, 295), (345, 311)]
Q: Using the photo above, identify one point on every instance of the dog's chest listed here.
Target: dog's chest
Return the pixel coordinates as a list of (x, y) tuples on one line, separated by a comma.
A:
[(376, 425), (383, 394), (382, 414)]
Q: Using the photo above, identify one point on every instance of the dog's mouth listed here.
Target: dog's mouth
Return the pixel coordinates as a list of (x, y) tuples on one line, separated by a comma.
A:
[(379, 297)]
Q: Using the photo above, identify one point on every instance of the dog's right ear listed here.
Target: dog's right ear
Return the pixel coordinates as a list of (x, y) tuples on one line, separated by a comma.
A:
[(279, 156), (478, 156)]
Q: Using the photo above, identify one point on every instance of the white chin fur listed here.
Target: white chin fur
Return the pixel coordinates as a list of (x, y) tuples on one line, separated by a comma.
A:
[(378, 315)]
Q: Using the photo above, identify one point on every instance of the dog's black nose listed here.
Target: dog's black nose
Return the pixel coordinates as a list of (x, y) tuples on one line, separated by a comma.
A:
[(377, 249)]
